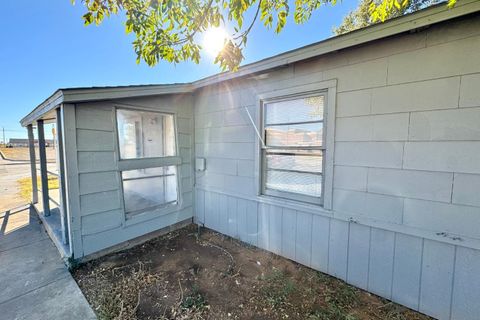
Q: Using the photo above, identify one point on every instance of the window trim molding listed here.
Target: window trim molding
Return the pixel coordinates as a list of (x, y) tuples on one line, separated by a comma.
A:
[(144, 163), (329, 88)]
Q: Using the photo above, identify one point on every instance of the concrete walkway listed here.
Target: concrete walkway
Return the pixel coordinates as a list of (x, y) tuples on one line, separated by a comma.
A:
[(34, 282)]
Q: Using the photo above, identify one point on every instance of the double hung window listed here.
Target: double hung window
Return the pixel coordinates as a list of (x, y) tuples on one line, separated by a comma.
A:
[(292, 157), (147, 135)]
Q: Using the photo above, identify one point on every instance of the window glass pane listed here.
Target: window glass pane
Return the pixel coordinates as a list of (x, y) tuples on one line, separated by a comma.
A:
[(143, 134), (298, 135), (296, 160), (295, 182), (148, 188), (295, 110)]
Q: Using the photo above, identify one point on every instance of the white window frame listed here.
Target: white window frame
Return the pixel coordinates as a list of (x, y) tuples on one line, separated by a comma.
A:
[(148, 162), (328, 89)]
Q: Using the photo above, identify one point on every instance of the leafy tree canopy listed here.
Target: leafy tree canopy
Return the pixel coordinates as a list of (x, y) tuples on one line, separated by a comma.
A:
[(362, 16), (168, 29)]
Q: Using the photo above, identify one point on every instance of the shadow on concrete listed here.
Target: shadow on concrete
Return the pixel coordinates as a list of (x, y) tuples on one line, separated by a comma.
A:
[(34, 280)]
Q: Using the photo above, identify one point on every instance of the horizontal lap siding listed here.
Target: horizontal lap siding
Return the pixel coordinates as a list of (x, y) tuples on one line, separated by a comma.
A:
[(407, 148), (103, 221), (100, 195)]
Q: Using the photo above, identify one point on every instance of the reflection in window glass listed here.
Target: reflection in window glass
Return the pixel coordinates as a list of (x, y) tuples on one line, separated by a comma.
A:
[(296, 110), (295, 182), (305, 134), (149, 188), (143, 134), (293, 155), (301, 160)]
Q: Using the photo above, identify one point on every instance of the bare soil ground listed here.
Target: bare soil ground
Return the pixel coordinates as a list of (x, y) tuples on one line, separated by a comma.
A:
[(22, 153), (186, 275)]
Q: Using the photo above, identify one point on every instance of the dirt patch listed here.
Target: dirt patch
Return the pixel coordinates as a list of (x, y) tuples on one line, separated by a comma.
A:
[(22, 153), (184, 275)]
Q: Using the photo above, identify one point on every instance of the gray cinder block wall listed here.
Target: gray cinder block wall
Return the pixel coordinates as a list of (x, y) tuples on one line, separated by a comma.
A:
[(405, 222)]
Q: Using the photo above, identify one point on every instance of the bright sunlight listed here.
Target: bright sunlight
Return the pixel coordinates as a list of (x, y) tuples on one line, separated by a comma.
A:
[(214, 40)]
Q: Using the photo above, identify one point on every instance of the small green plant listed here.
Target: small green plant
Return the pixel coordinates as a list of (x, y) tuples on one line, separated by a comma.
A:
[(342, 296), (331, 313), (393, 311), (339, 299), (278, 288), (195, 300)]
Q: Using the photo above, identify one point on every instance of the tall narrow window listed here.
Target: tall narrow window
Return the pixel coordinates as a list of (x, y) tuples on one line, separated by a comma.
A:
[(146, 134), (294, 148)]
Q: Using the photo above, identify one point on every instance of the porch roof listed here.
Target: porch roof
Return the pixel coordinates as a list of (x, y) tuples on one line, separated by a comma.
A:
[(420, 19)]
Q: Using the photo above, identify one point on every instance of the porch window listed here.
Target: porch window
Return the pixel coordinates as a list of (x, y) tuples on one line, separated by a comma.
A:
[(144, 134), (148, 159), (292, 157), (149, 188)]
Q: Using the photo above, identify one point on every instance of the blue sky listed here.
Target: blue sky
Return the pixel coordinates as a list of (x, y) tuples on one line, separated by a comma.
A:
[(45, 46)]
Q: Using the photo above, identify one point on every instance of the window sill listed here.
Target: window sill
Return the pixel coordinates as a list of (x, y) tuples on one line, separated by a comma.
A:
[(131, 219), (295, 205)]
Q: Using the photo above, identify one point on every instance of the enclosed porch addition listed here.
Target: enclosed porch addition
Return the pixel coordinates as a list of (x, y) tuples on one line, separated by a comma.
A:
[(123, 165)]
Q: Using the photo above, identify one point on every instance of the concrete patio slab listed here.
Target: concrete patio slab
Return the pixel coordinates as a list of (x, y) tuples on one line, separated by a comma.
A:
[(34, 281), (18, 228), (61, 299)]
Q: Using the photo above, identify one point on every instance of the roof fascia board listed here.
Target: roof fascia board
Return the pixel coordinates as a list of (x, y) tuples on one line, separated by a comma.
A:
[(398, 25), (94, 94), (51, 103)]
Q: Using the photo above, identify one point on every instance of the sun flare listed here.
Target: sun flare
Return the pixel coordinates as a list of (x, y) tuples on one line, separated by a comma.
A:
[(214, 40)]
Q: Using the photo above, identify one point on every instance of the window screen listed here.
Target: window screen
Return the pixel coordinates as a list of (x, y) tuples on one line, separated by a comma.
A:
[(294, 148)]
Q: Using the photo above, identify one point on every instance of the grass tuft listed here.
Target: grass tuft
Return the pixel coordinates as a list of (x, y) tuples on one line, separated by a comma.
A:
[(26, 186), (278, 287)]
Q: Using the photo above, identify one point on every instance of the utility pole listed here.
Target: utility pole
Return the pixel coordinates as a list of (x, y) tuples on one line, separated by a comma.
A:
[(4, 142)]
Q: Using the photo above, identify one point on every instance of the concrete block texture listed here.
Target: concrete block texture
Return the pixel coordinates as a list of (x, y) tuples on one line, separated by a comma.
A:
[(411, 184), (448, 156), (369, 154), (435, 61), (444, 217), (360, 76), (350, 178), (466, 189), (354, 103), (456, 124), (375, 206), (469, 93), (392, 127), (416, 96)]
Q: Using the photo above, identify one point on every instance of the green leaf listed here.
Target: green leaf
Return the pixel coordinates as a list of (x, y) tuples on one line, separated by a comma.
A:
[(87, 18)]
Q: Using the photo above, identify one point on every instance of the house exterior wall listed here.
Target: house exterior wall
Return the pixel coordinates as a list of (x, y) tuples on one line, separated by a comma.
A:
[(96, 210), (405, 222)]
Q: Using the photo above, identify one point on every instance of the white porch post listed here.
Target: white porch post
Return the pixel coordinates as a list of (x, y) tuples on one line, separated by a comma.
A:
[(61, 178), (43, 168), (33, 164)]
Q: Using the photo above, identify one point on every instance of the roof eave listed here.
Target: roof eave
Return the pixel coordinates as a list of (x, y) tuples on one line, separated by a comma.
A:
[(97, 94), (50, 103), (416, 20), (419, 19)]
